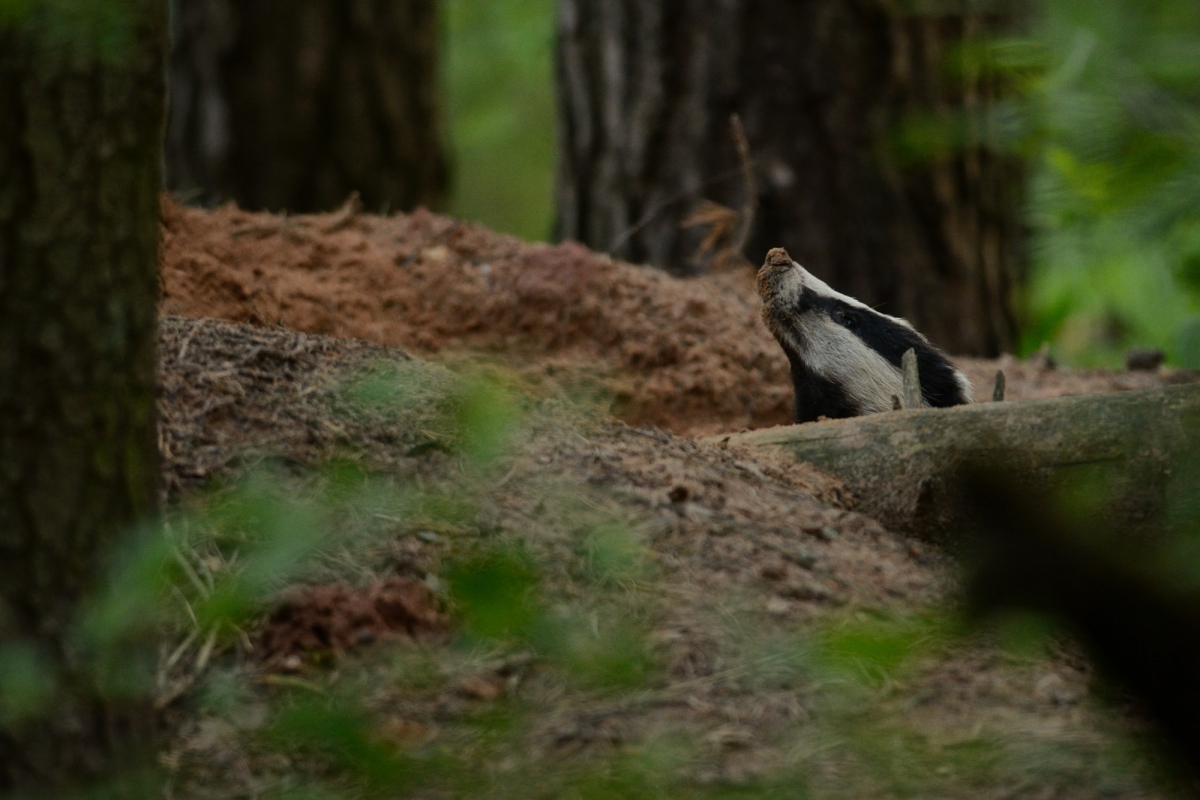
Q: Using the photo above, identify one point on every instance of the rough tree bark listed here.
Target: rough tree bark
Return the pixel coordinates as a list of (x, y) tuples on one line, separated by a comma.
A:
[(80, 154), (291, 105), (647, 89)]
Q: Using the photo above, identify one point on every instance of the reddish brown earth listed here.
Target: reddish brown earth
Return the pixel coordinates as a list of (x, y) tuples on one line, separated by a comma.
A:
[(333, 619), (682, 355), (689, 356)]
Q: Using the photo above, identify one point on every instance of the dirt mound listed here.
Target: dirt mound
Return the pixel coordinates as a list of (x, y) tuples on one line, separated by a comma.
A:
[(333, 619), (682, 355), (689, 356), (721, 554), (234, 391)]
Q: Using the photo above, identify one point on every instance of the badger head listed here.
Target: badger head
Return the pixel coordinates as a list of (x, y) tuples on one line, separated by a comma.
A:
[(845, 356)]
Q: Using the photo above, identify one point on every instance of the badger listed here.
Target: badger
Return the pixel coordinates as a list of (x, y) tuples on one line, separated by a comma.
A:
[(845, 356)]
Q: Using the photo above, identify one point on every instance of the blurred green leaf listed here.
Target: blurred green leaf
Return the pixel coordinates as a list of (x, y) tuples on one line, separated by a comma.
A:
[(496, 593), (348, 739), (883, 643), (84, 30), (487, 414), (614, 554), (27, 684), (1187, 342), (14, 10), (410, 386), (130, 605), (602, 650), (275, 534), (498, 73), (1113, 117), (1024, 635), (473, 413)]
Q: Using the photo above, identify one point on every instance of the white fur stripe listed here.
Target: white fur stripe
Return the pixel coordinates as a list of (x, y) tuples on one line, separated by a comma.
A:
[(834, 353), (818, 286)]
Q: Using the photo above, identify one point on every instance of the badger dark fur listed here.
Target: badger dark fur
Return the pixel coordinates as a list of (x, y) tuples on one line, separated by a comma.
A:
[(845, 356)]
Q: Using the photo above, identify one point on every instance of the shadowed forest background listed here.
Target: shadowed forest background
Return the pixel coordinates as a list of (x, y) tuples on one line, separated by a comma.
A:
[(386, 408), (1107, 126), (1094, 100)]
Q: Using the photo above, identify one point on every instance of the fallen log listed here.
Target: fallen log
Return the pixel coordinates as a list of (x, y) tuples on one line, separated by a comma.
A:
[(1122, 449)]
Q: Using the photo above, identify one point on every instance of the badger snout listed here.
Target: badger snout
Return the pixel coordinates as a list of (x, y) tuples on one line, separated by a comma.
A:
[(778, 258), (780, 278), (778, 264)]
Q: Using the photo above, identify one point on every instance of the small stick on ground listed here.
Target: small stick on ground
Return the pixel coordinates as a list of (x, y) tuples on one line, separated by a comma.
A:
[(912, 381), (345, 215), (998, 392), (750, 206)]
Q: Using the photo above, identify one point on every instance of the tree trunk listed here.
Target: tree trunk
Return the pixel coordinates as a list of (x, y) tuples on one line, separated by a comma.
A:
[(647, 90), (80, 154), (291, 105)]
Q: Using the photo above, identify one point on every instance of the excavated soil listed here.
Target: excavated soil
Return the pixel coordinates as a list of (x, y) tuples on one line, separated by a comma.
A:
[(679, 355), (334, 619), (744, 550), (229, 392), (688, 356)]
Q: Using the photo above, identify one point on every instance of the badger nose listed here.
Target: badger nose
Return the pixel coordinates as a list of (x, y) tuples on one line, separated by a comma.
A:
[(778, 259)]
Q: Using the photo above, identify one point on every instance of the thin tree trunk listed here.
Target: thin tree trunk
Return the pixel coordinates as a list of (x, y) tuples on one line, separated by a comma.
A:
[(80, 154), (647, 90), (291, 105)]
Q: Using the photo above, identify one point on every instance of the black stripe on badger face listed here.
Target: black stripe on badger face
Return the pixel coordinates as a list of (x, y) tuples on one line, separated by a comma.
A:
[(940, 385)]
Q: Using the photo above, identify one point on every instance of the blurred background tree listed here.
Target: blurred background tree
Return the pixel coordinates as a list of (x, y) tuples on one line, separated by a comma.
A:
[(81, 120), (1108, 197), (886, 158), (291, 106), (646, 93)]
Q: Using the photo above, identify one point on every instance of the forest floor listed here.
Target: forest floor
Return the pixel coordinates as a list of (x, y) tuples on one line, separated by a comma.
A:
[(688, 619)]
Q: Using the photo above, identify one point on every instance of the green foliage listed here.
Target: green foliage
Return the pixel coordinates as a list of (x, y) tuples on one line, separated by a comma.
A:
[(601, 648), (81, 29), (485, 414), (1025, 637), (334, 731), (614, 555), (12, 11), (27, 684), (471, 415), (499, 85), (1112, 133), (872, 646), (496, 594)]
